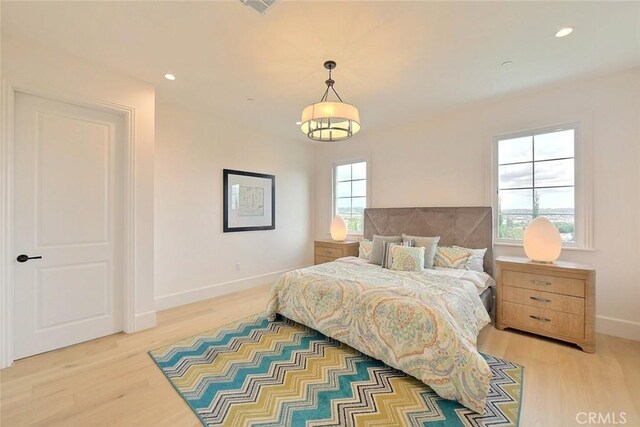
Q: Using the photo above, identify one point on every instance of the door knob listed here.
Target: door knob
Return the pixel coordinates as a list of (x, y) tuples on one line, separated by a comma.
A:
[(25, 258)]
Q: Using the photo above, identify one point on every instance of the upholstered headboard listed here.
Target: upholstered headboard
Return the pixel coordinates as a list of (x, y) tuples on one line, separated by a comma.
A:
[(469, 227)]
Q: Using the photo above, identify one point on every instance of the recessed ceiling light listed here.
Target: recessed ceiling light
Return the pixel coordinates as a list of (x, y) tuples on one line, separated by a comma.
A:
[(563, 32), (298, 123), (250, 99), (169, 76)]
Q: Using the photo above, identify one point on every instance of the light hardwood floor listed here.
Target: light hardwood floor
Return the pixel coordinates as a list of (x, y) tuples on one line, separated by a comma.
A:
[(112, 381)]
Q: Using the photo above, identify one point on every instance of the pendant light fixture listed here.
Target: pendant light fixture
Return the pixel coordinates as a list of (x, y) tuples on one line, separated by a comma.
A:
[(330, 121)]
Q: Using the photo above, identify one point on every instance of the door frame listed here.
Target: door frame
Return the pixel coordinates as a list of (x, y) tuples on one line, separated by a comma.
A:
[(7, 252)]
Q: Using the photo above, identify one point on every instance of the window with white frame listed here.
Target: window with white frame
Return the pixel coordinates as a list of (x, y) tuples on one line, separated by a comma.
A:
[(536, 176), (350, 194)]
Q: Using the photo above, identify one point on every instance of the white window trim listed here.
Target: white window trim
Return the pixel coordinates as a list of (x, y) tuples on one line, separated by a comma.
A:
[(582, 184), (335, 164)]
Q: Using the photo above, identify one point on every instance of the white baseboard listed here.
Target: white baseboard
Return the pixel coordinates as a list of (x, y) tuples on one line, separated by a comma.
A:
[(144, 321), (193, 295), (618, 327)]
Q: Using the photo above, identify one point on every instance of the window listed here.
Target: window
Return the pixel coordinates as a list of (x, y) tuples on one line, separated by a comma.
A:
[(350, 194), (536, 177)]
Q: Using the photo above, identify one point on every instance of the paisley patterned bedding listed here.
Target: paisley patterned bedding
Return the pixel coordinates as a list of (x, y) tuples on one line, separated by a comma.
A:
[(422, 323)]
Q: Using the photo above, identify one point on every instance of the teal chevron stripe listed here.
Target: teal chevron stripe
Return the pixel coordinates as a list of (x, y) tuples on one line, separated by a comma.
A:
[(344, 382), (263, 368), (235, 372), (204, 343), (253, 384)]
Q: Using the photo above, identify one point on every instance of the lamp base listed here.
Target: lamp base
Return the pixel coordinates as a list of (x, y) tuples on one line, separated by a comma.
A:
[(541, 262)]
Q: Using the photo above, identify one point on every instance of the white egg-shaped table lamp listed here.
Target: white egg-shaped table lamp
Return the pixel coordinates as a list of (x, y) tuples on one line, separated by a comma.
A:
[(338, 229), (542, 242)]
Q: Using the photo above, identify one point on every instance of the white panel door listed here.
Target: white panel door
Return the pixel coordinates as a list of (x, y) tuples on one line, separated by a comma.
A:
[(68, 210)]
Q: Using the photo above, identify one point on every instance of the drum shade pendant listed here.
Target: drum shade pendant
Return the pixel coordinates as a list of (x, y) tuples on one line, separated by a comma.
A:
[(328, 121)]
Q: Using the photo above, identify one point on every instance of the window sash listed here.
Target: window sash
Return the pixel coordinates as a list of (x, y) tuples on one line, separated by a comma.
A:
[(355, 180), (541, 187), (534, 161), (579, 239), (351, 198)]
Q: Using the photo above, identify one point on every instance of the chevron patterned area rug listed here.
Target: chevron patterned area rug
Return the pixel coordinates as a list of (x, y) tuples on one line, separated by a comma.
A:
[(260, 373)]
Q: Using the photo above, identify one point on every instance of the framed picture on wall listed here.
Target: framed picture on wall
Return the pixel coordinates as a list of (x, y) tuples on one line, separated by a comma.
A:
[(249, 201)]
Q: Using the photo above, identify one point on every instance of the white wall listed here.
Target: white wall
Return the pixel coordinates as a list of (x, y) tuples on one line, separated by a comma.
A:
[(194, 258), (29, 68), (445, 161)]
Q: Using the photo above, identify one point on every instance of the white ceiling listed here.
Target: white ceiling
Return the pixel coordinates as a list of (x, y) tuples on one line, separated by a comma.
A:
[(397, 61)]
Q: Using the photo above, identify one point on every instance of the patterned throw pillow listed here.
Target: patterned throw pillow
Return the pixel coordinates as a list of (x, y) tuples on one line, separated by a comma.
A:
[(407, 258), (386, 251), (430, 245), (366, 246), (452, 257), (476, 260)]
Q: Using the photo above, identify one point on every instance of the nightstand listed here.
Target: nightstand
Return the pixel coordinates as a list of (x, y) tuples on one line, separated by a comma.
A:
[(555, 300), (328, 250)]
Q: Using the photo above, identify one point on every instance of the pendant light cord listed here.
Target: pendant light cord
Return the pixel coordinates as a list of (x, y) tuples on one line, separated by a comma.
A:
[(330, 83)]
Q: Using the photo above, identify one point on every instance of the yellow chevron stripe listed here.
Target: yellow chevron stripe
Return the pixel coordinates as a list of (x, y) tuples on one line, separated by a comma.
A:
[(392, 407), (224, 361), (511, 409), (294, 387)]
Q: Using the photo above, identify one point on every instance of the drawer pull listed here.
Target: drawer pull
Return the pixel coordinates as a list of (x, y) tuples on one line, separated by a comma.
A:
[(542, 319), (540, 299), (540, 282)]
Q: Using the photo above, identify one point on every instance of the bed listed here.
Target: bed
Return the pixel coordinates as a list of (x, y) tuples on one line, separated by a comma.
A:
[(423, 323)]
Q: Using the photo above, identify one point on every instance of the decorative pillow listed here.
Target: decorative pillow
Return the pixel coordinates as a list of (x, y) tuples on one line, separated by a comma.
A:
[(386, 251), (378, 242), (387, 257), (476, 260), (452, 257), (430, 245), (407, 258), (365, 249)]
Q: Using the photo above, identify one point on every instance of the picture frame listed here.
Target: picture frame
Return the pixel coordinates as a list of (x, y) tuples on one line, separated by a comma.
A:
[(249, 201)]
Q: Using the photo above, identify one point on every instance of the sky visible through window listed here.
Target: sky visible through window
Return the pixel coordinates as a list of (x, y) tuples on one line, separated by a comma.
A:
[(351, 194), (536, 178)]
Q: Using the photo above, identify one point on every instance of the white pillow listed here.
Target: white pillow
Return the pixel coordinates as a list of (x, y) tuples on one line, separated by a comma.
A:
[(476, 260)]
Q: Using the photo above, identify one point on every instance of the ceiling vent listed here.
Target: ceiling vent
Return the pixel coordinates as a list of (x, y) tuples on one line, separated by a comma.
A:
[(261, 6)]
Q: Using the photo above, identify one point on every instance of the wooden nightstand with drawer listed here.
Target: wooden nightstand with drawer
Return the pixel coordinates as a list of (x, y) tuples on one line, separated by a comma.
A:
[(556, 300), (328, 250)]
